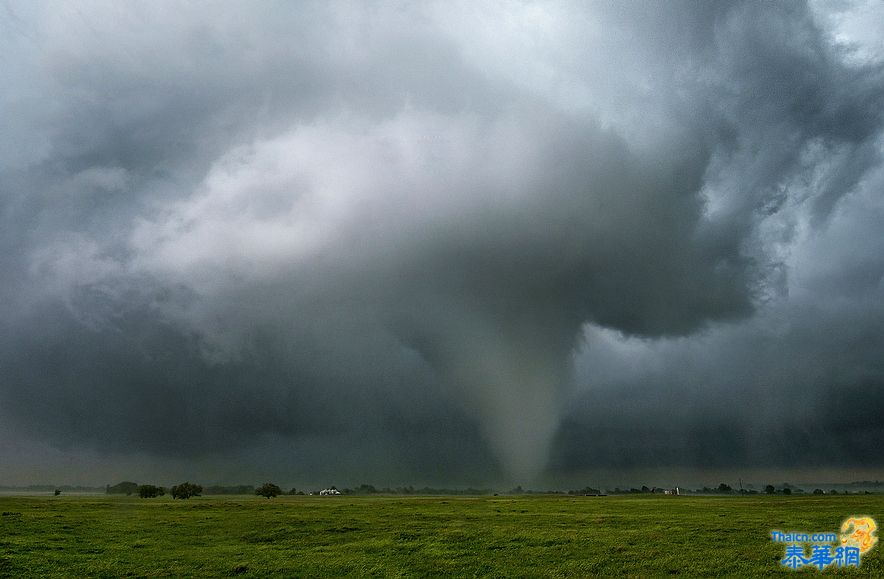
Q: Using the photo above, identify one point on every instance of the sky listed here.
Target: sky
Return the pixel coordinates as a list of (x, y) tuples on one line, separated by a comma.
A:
[(448, 243)]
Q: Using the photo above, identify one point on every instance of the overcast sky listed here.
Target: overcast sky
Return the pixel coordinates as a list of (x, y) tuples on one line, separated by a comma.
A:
[(441, 243)]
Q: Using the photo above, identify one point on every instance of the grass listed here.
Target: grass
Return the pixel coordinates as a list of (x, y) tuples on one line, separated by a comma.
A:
[(536, 536)]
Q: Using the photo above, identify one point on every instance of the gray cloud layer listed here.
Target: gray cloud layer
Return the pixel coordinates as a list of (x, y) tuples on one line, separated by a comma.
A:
[(453, 240)]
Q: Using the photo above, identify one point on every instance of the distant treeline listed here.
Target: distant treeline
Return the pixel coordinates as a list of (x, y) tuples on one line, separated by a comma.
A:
[(148, 491), (725, 489), (231, 490), (130, 488), (50, 488), (367, 489)]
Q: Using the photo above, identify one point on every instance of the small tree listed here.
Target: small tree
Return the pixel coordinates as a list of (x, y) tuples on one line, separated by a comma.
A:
[(770, 489), (268, 490), (186, 490)]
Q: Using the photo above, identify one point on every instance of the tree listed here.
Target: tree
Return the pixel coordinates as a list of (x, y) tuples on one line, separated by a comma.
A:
[(268, 490), (818, 491), (725, 489), (769, 489), (787, 491), (150, 491), (186, 490)]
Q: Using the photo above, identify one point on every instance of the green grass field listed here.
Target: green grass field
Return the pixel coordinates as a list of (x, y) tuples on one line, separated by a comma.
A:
[(553, 536)]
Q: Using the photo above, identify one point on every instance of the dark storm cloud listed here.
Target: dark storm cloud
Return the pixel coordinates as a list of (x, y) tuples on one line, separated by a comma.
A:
[(808, 397), (387, 226)]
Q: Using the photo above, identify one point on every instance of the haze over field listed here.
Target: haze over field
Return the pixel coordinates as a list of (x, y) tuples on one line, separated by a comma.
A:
[(451, 243)]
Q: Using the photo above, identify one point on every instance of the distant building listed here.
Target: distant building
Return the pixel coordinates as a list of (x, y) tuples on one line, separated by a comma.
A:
[(674, 491), (326, 492)]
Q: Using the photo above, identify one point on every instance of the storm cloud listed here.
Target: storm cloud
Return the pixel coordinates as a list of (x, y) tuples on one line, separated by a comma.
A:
[(462, 242)]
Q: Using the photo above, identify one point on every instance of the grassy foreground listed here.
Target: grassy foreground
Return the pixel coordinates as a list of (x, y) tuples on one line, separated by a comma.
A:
[(415, 536)]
